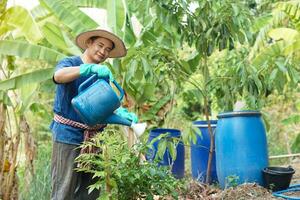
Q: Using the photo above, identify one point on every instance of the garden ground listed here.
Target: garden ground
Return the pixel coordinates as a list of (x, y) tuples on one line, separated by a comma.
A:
[(248, 191)]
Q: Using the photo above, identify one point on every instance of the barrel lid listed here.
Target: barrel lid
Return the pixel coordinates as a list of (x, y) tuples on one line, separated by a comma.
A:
[(203, 123), (239, 113), (173, 132)]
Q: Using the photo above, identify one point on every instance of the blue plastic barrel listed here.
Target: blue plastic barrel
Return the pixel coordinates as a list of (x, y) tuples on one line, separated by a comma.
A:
[(241, 148), (200, 153), (178, 165)]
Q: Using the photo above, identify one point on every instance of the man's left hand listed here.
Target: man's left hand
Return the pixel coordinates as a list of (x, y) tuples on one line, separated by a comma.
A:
[(123, 112)]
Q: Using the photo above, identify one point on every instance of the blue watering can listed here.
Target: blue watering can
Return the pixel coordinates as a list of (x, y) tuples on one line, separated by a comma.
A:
[(96, 103)]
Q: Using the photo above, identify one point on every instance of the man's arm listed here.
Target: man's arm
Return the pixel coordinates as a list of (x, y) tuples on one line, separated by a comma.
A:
[(66, 74)]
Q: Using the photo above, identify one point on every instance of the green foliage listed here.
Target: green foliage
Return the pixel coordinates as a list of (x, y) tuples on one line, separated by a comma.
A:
[(90, 3), (54, 35), (22, 80), (232, 181), (192, 104), (166, 145), (148, 76), (159, 65), (140, 9), (155, 108), (4, 98), (70, 15), (116, 19), (24, 50), (235, 78), (221, 28), (39, 187), (119, 168), (294, 119), (15, 18), (296, 144), (39, 13), (291, 121), (291, 8)]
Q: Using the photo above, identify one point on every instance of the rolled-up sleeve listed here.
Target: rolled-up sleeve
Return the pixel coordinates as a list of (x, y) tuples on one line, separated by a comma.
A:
[(66, 62)]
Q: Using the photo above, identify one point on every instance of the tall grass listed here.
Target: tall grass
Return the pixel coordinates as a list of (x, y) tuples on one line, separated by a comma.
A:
[(39, 187)]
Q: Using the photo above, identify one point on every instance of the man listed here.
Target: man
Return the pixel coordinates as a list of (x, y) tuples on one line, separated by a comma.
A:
[(67, 127)]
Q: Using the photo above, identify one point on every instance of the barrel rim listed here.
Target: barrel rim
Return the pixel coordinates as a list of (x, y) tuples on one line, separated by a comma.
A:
[(239, 113), (203, 123)]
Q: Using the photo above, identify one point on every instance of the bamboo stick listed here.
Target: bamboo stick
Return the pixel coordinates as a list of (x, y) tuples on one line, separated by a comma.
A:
[(285, 156)]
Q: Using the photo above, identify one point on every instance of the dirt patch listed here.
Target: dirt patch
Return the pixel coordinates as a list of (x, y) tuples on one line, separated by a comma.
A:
[(246, 192), (249, 191), (196, 190)]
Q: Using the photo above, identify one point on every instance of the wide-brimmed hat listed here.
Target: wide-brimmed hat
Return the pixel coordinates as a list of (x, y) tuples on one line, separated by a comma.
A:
[(119, 49)]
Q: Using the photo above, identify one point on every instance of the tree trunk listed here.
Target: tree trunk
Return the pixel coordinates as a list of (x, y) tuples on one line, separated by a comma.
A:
[(30, 150), (12, 147), (12, 181), (2, 143), (212, 142), (206, 110)]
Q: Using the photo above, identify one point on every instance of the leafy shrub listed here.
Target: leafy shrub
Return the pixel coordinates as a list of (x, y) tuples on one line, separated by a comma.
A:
[(120, 172)]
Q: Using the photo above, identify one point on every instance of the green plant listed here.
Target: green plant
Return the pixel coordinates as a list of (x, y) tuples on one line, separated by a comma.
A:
[(232, 181), (272, 186), (38, 186), (121, 174)]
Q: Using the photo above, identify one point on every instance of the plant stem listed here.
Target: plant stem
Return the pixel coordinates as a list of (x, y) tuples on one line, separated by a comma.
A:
[(107, 169), (12, 170), (211, 135), (2, 143), (204, 93), (212, 143)]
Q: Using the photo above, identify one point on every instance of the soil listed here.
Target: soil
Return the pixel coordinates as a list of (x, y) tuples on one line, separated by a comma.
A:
[(249, 191), (199, 191), (295, 164)]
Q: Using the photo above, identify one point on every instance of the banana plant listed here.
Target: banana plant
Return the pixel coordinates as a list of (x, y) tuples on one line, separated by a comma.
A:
[(282, 46), (14, 18), (24, 38)]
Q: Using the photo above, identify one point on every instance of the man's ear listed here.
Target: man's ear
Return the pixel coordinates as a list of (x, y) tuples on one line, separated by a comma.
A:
[(89, 42)]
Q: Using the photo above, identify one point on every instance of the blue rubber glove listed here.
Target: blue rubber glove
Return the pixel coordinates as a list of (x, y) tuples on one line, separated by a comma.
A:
[(101, 70), (123, 112)]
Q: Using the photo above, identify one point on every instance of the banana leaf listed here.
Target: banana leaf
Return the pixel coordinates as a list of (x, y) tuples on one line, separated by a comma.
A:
[(27, 78), (26, 50)]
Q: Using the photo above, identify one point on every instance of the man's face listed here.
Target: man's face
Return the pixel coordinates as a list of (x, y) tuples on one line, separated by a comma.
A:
[(99, 49)]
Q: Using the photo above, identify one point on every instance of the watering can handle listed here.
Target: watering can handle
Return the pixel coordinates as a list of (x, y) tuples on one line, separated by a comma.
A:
[(120, 90), (86, 82)]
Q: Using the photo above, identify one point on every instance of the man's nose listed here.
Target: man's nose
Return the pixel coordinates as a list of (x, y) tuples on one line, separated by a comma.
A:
[(102, 50)]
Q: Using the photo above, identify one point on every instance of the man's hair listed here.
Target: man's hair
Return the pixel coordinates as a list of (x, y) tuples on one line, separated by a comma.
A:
[(93, 38)]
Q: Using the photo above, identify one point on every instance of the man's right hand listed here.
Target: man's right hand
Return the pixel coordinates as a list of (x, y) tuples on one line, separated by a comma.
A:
[(101, 70)]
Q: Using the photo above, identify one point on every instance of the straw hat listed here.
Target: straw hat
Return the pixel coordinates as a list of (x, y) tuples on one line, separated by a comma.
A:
[(119, 49)]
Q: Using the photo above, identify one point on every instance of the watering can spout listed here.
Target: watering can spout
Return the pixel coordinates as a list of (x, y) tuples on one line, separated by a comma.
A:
[(116, 119)]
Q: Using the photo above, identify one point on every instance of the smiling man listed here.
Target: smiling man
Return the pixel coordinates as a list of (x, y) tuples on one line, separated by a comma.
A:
[(68, 129)]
